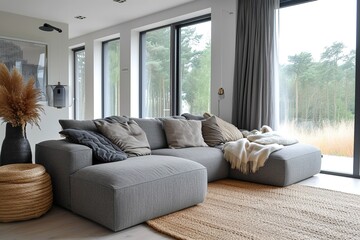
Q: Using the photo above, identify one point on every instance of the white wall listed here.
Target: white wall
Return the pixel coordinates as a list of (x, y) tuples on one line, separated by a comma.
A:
[(25, 28), (223, 54)]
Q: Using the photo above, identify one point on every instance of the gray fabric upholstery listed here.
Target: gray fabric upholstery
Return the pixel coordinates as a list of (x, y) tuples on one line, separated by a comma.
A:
[(61, 159), (88, 125), (211, 158), (122, 194), (154, 132), (284, 167), (190, 116)]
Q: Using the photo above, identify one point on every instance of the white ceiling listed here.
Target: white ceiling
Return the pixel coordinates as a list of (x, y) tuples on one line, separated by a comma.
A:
[(99, 13)]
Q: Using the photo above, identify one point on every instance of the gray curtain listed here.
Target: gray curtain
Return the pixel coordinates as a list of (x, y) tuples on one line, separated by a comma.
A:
[(255, 64)]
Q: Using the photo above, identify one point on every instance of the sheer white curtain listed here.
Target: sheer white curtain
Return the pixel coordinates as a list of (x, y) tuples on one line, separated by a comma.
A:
[(255, 85)]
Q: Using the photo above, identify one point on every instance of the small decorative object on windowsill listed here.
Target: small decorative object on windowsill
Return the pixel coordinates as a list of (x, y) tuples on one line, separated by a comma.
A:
[(18, 107)]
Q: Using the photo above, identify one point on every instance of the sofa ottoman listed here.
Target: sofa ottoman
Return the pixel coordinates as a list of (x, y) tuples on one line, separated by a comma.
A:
[(286, 166), (122, 194)]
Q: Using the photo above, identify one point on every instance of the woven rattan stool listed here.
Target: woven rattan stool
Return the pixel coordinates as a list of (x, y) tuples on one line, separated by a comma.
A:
[(25, 192)]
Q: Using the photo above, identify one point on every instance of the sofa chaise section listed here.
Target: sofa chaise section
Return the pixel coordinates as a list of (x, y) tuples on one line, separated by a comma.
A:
[(130, 192), (286, 166)]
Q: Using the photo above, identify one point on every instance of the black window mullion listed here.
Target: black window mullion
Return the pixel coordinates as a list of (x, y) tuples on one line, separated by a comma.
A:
[(356, 163), (141, 63), (287, 3), (75, 51), (102, 77), (173, 71)]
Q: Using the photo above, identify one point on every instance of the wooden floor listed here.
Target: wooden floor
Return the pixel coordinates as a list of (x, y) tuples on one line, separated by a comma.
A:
[(62, 224)]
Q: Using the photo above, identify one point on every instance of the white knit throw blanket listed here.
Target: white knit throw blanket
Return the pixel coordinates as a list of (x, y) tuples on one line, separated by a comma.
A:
[(248, 156)]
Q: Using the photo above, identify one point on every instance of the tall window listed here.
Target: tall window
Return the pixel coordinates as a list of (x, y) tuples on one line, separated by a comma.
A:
[(156, 71), (195, 68), (176, 69), (79, 83), (317, 78), (111, 77)]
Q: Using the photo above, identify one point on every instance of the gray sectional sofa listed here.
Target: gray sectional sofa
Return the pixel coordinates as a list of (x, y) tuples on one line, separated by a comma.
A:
[(124, 193)]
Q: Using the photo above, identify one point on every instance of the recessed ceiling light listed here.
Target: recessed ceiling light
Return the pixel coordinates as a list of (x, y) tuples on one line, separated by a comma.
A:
[(80, 17), (119, 1)]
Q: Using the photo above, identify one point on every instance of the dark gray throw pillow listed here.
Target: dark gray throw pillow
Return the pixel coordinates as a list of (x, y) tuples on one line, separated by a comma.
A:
[(190, 116), (103, 149)]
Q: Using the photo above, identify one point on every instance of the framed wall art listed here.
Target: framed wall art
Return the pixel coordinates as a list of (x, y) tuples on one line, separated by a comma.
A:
[(30, 58)]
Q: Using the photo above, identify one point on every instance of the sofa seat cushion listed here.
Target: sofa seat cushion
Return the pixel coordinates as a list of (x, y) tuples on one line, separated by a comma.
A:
[(122, 194), (289, 165), (211, 158)]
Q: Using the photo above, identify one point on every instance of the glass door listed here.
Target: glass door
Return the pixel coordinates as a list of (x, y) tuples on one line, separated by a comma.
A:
[(317, 78)]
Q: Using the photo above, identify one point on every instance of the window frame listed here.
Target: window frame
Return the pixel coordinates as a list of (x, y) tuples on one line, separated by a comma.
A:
[(76, 107), (174, 61)]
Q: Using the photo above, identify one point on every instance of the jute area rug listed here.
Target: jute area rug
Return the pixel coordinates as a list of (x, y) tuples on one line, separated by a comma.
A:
[(240, 210)]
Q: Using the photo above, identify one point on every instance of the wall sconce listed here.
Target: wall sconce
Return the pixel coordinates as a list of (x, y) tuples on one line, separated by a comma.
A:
[(58, 95), (221, 96)]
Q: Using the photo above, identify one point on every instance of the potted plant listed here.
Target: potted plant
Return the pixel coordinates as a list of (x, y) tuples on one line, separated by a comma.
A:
[(18, 107)]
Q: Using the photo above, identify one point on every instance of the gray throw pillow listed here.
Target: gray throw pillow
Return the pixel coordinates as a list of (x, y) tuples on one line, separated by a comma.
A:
[(103, 149), (183, 133), (127, 135)]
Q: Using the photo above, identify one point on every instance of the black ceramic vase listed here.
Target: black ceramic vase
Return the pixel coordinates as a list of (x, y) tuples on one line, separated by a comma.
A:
[(15, 147)]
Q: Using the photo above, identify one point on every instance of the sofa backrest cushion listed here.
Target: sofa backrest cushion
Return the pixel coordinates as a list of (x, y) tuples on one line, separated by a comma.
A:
[(190, 116), (87, 125), (154, 132)]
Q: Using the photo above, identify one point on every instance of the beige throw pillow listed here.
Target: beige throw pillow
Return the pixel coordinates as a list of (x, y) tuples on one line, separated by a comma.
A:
[(228, 131), (183, 133), (211, 132), (128, 136)]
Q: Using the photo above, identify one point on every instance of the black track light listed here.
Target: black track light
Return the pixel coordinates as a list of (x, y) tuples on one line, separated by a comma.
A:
[(48, 28)]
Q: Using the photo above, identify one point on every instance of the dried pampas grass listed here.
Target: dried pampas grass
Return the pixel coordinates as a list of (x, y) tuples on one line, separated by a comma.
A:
[(18, 100)]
